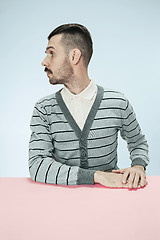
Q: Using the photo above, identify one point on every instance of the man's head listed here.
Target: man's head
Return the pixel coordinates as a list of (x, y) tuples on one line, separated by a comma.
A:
[(67, 42), (75, 36)]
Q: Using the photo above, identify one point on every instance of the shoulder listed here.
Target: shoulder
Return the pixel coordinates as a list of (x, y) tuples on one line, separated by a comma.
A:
[(114, 98), (112, 93), (46, 104), (47, 100)]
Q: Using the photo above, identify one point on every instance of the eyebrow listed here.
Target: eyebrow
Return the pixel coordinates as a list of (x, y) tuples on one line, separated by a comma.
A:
[(49, 48)]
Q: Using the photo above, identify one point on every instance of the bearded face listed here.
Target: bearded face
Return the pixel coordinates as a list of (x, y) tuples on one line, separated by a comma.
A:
[(62, 74), (57, 64)]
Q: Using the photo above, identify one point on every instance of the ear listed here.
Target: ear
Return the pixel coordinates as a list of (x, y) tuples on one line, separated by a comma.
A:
[(75, 56)]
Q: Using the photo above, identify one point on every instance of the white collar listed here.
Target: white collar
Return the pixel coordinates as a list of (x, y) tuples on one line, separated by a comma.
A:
[(87, 93)]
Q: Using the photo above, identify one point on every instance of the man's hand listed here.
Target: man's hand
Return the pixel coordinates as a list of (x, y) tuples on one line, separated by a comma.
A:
[(134, 176), (109, 179)]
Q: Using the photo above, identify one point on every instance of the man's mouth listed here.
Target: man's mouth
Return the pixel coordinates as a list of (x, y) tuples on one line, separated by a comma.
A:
[(47, 71)]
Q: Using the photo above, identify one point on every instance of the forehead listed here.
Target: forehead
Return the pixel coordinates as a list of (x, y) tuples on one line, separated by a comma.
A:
[(55, 42)]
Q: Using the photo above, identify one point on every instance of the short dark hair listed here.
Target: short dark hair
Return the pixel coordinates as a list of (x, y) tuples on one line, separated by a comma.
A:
[(75, 36)]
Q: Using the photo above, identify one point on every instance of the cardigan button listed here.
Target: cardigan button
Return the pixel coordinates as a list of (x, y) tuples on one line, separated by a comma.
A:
[(84, 154)]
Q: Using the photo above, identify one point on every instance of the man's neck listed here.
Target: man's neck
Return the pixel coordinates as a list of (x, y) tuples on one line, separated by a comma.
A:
[(77, 87)]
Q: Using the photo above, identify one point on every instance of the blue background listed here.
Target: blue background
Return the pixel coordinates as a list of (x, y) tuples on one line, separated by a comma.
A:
[(126, 36)]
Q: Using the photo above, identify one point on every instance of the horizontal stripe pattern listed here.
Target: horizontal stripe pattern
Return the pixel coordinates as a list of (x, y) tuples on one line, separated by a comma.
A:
[(55, 151)]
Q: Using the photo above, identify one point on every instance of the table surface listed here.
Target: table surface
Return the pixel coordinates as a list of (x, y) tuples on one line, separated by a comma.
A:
[(31, 210)]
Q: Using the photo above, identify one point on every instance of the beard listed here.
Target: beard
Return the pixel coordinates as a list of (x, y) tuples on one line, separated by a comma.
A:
[(62, 75)]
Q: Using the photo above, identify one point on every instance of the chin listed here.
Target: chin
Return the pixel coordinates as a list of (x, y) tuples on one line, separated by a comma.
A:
[(53, 81)]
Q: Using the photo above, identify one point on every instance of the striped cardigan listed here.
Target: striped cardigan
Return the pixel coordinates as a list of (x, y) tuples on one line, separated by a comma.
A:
[(61, 153)]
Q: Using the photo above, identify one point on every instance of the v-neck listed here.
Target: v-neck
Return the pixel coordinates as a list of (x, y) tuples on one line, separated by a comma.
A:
[(83, 134)]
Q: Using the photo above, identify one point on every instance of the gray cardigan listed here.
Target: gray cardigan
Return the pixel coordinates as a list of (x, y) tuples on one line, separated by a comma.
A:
[(61, 153)]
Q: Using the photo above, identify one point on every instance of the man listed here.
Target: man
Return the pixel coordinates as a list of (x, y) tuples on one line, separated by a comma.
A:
[(75, 130)]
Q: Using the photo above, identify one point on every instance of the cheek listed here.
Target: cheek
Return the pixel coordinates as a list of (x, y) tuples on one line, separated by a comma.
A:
[(55, 61), (53, 64)]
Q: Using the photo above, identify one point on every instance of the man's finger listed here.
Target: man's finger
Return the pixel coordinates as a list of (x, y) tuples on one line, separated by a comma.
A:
[(125, 176), (143, 180), (131, 179), (118, 170), (136, 180)]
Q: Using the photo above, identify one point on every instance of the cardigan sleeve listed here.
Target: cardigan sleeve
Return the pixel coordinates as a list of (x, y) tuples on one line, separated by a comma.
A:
[(131, 132), (42, 165)]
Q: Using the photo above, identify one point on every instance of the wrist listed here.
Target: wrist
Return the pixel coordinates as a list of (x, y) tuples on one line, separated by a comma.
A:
[(139, 167), (96, 176), (99, 175)]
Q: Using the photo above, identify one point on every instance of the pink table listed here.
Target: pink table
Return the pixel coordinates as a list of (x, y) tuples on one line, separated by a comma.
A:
[(36, 211)]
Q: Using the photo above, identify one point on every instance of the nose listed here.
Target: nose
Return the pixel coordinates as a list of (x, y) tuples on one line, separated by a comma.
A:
[(45, 62)]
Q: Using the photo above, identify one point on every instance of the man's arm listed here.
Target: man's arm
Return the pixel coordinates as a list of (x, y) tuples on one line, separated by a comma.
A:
[(137, 146), (42, 165), (132, 134)]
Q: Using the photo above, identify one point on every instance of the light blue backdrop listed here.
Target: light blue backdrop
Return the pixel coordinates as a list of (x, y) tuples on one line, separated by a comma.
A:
[(126, 36)]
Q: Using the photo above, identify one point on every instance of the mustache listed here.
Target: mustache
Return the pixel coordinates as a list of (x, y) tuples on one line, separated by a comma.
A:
[(47, 70)]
